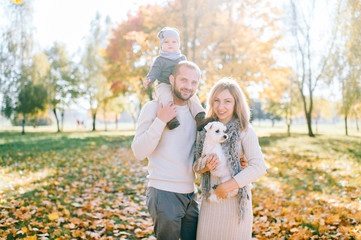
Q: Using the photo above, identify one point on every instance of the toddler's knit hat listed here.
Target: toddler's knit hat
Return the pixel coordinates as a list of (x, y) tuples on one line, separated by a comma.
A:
[(168, 32)]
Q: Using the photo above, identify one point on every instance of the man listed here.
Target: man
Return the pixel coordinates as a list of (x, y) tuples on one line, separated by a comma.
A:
[(171, 197)]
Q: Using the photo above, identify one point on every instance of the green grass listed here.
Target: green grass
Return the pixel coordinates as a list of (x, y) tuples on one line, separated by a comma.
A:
[(93, 177)]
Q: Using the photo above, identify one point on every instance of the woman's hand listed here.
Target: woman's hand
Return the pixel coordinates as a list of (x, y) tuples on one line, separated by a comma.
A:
[(243, 162), (211, 163), (224, 188)]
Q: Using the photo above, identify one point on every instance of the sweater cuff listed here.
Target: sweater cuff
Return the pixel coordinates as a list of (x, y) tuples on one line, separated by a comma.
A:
[(240, 181), (158, 124)]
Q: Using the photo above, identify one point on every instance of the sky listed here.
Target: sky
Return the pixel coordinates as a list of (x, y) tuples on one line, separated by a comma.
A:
[(68, 21)]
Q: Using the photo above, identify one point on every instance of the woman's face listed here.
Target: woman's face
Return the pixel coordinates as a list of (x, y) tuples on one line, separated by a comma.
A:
[(223, 106)]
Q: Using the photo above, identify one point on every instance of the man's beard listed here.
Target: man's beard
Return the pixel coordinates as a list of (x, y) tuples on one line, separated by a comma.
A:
[(178, 94)]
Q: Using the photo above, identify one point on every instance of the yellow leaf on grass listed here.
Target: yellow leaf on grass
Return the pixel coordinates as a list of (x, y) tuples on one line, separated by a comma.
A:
[(30, 238), (17, 1), (77, 233), (24, 229), (53, 216), (66, 212)]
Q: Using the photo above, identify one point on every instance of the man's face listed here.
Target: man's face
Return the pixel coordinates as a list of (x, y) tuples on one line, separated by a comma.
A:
[(185, 84)]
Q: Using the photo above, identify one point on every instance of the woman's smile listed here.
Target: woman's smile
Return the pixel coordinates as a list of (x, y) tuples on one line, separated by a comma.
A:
[(224, 106)]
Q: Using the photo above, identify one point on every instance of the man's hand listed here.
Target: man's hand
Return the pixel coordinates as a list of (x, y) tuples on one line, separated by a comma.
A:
[(146, 82), (167, 113)]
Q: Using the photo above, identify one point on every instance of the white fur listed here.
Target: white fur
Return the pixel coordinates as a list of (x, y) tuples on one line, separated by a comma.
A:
[(212, 144)]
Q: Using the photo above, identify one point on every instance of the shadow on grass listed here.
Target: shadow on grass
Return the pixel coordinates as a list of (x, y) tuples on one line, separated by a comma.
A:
[(65, 141), (348, 146), (299, 173), (18, 147), (267, 141)]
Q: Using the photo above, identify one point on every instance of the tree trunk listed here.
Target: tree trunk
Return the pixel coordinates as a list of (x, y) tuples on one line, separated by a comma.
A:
[(309, 124), (105, 115), (316, 126), (307, 114), (57, 119), (62, 121), (357, 127), (185, 26), (346, 130), (94, 115), (116, 121), (23, 131), (288, 129), (288, 124)]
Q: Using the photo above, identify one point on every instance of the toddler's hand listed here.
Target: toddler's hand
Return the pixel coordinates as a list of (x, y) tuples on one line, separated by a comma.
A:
[(167, 113), (146, 82)]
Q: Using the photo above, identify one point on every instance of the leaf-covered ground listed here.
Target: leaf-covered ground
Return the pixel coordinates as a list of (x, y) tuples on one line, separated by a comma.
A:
[(89, 186)]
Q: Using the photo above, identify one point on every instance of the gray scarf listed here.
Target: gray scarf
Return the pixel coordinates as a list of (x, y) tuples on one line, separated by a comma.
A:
[(170, 55), (231, 149)]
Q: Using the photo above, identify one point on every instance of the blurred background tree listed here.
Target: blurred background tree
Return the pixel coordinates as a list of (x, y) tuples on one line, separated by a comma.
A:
[(272, 49)]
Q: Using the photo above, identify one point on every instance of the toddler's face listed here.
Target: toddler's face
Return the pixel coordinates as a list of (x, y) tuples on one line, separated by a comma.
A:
[(170, 44)]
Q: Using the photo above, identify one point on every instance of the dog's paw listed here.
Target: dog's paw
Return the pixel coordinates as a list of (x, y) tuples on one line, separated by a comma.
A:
[(213, 198), (232, 194)]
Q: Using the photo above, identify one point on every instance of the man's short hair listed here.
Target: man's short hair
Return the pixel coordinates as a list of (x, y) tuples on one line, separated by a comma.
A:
[(187, 64)]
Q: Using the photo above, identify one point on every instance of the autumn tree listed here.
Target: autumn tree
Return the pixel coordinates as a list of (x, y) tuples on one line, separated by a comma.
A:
[(61, 80), (130, 51), (116, 107), (322, 110), (94, 82), (17, 66), (345, 67), (356, 113), (226, 38), (32, 97), (217, 35), (309, 59)]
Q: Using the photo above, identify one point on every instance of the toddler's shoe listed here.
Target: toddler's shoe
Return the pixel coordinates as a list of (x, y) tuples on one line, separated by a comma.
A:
[(172, 124), (202, 121)]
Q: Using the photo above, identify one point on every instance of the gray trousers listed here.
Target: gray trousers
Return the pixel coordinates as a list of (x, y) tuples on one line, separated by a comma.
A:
[(175, 215)]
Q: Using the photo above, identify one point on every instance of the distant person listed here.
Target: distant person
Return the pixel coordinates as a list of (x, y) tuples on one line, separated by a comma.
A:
[(171, 197), (231, 218), (161, 69)]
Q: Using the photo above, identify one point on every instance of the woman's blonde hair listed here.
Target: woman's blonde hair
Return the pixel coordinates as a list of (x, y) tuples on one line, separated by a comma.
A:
[(241, 108)]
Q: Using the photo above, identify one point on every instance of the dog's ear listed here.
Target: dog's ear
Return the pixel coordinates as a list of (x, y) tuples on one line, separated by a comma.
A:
[(208, 126)]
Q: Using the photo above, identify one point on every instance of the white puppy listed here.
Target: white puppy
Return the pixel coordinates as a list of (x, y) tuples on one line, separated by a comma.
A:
[(212, 144)]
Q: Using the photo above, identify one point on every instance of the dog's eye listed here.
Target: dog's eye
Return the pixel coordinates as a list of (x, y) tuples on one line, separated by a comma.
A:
[(217, 131)]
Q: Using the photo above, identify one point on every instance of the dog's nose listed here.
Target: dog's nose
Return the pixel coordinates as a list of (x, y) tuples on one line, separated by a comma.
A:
[(225, 136)]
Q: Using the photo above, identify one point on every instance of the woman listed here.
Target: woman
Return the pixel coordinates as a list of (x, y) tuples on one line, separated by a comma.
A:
[(231, 218)]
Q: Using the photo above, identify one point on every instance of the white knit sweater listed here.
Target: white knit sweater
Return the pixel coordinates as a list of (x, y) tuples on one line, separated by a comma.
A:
[(169, 152)]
